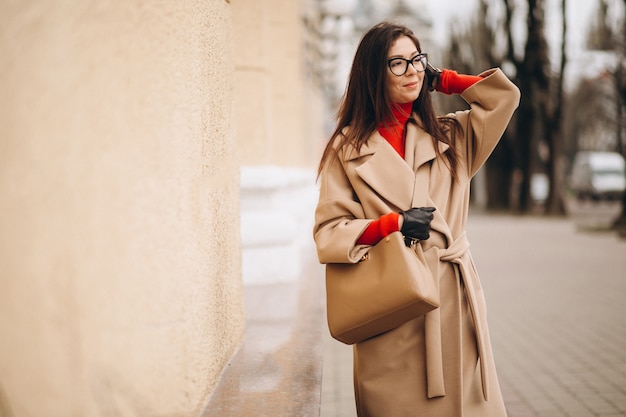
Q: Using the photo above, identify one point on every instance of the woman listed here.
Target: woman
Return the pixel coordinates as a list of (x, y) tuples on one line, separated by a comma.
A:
[(388, 151)]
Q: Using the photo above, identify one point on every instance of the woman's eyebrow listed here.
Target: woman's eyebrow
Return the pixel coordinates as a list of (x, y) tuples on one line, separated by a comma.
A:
[(412, 55)]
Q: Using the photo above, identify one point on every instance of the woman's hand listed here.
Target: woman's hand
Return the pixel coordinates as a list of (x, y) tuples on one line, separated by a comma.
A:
[(415, 223), (433, 76)]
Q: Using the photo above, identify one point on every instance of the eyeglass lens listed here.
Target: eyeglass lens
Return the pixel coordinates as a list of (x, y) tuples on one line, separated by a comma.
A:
[(399, 66)]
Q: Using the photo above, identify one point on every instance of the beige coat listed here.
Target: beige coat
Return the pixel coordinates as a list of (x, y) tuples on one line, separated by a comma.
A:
[(440, 364)]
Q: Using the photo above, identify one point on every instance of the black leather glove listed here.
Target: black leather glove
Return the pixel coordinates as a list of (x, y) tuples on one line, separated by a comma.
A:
[(432, 76), (416, 223)]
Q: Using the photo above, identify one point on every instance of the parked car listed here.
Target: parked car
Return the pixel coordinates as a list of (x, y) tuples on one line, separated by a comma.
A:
[(598, 176)]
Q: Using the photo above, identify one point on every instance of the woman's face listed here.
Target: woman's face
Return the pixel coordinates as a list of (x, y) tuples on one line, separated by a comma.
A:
[(404, 88)]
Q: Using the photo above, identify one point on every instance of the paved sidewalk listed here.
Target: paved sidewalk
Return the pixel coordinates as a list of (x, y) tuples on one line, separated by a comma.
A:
[(557, 313)]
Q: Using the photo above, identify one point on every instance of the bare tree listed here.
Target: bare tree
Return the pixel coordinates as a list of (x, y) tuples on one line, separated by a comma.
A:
[(471, 50), (589, 112), (601, 36), (534, 81), (605, 37), (554, 130), (620, 83), (538, 120)]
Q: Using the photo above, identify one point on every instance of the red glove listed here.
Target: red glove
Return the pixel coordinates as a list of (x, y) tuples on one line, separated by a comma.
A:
[(378, 229), (451, 82)]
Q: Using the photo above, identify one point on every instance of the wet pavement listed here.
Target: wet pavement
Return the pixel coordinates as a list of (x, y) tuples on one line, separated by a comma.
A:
[(556, 299)]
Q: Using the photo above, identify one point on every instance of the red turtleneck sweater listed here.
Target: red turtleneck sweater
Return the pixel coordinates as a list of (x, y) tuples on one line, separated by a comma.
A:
[(393, 130), (450, 82)]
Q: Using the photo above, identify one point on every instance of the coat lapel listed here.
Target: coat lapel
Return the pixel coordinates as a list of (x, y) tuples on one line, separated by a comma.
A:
[(404, 183), (419, 146), (386, 172), (420, 151)]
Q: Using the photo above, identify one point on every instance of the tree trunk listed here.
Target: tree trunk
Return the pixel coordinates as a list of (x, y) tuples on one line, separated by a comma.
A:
[(499, 176), (534, 83), (620, 223), (555, 129)]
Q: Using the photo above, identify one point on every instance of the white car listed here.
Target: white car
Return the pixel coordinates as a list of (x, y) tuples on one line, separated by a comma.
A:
[(598, 175)]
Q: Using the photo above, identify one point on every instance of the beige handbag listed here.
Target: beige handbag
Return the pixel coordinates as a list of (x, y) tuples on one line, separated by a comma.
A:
[(388, 287)]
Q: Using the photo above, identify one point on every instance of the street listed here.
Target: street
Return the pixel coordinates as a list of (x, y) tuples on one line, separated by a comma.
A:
[(557, 317)]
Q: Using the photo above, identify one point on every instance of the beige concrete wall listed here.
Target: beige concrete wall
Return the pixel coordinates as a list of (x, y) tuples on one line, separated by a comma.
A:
[(278, 110), (120, 288)]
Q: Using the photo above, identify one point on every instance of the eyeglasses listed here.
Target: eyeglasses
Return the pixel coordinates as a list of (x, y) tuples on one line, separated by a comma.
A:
[(399, 66)]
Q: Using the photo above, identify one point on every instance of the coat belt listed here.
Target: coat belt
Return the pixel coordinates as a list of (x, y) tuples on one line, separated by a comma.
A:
[(458, 253)]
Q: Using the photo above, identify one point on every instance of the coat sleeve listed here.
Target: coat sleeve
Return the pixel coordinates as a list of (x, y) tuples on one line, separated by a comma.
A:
[(339, 217), (493, 101)]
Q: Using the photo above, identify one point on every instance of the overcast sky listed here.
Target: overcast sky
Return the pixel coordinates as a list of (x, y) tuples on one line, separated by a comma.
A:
[(445, 12), (579, 14)]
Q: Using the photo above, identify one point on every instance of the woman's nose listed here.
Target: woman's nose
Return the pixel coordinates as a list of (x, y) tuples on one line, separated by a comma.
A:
[(411, 69)]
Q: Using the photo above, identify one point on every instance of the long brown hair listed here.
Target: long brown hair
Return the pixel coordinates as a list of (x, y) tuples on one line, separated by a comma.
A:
[(366, 102)]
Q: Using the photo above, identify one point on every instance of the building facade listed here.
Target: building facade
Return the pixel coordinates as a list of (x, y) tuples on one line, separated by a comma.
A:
[(124, 126), (135, 137)]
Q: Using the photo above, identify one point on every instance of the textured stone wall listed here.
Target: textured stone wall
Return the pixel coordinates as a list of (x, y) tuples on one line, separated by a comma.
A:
[(278, 110), (120, 288)]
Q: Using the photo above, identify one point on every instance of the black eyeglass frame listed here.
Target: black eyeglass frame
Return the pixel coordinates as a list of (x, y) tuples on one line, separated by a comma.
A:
[(422, 57)]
